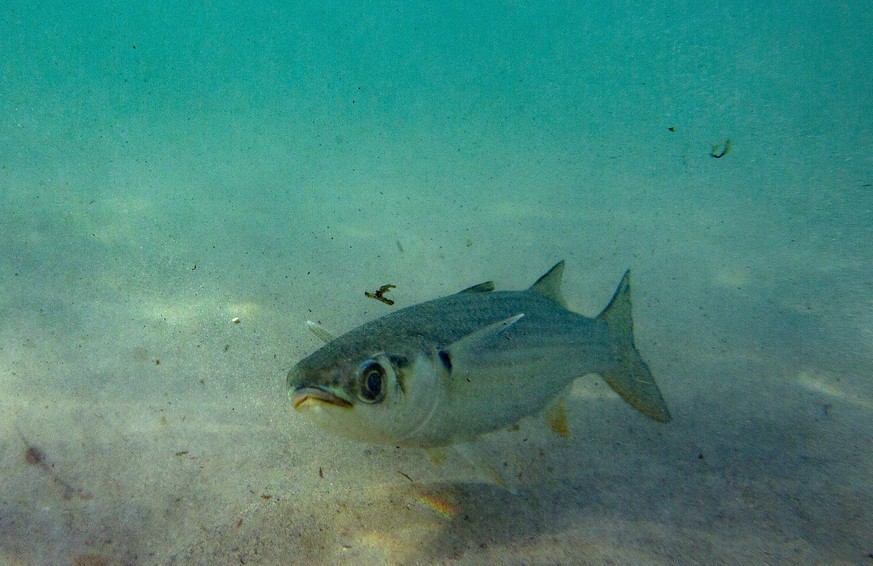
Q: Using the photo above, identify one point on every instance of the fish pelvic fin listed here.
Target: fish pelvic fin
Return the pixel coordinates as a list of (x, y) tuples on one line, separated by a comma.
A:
[(556, 416), (437, 454), (473, 456), (549, 285), (631, 377)]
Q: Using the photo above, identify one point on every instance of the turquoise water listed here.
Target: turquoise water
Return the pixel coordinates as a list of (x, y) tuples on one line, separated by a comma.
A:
[(167, 168)]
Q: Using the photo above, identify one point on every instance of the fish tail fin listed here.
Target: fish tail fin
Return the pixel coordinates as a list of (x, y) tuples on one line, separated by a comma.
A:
[(631, 378)]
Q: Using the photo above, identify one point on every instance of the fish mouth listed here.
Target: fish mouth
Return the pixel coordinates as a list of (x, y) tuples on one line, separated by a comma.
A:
[(303, 395)]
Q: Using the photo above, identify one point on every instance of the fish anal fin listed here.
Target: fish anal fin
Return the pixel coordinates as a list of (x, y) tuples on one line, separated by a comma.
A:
[(556, 416)]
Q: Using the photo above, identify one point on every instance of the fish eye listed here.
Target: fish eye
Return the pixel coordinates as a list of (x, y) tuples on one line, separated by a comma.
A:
[(371, 382)]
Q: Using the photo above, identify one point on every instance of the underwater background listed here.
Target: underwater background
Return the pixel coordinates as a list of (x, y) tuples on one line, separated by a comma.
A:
[(167, 168)]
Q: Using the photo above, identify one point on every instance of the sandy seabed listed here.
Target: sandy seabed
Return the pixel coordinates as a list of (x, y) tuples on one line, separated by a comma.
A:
[(159, 181)]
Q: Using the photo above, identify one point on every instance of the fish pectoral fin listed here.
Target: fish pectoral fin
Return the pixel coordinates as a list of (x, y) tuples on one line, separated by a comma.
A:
[(556, 416), (319, 331), (466, 347)]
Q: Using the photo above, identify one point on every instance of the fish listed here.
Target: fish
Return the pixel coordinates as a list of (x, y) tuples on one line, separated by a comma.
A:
[(444, 372)]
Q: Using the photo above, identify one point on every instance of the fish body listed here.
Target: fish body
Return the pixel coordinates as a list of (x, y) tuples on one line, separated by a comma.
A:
[(445, 371)]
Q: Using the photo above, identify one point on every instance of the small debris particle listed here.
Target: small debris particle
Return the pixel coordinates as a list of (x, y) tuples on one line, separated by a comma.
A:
[(672, 128), (235, 320), (720, 150), (157, 362), (33, 456), (320, 472), (266, 497), (182, 453), (404, 474), (700, 456), (379, 295), (238, 523)]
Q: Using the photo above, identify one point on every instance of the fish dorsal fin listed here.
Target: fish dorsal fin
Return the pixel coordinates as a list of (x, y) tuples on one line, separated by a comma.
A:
[(479, 288), (549, 285), (319, 331)]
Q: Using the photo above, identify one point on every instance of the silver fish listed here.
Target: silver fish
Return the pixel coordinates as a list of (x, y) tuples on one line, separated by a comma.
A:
[(445, 371)]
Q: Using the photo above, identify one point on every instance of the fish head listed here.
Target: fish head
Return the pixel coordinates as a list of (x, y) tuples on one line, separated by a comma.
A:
[(374, 397)]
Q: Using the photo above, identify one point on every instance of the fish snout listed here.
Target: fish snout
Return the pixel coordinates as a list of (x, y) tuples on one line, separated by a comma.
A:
[(303, 396)]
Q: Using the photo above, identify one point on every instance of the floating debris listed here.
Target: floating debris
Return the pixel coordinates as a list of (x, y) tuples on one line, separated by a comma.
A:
[(404, 474), (380, 294), (34, 456), (720, 150)]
